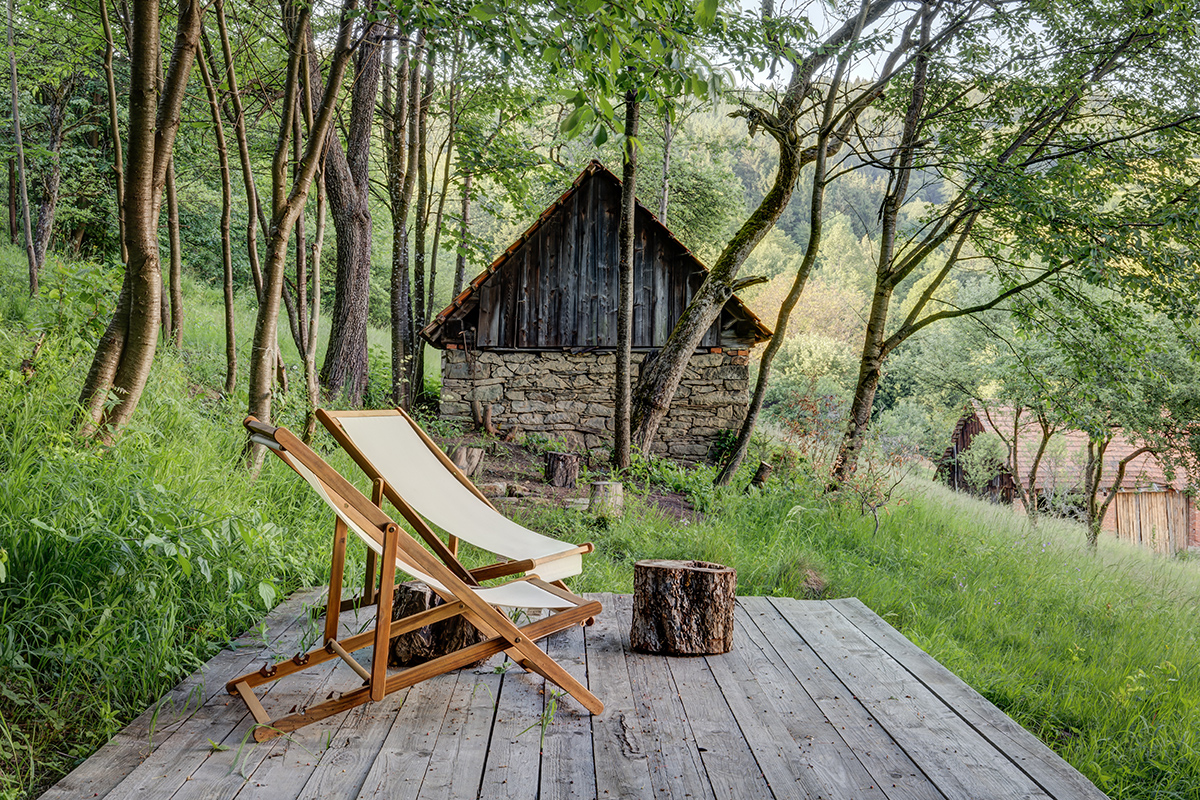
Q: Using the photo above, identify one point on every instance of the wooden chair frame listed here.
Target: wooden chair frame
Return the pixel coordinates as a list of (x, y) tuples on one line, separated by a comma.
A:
[(458, 592)]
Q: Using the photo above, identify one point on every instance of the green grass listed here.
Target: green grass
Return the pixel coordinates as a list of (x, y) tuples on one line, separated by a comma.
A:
[(128, 567)]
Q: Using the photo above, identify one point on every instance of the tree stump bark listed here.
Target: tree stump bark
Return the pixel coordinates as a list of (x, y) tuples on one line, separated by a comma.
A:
[(682, 607), (425, 644), (468, 459), (760, 476), (562, 469), (607, 499)]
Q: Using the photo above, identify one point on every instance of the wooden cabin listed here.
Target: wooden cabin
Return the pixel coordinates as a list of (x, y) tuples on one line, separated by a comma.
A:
[(534, 334), (1150, 509)]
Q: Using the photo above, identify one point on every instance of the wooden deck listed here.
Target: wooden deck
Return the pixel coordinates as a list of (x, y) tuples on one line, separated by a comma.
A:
[(818, 700)]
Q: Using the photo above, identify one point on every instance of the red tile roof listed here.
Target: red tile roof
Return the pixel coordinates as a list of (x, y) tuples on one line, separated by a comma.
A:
[(1065, 461)]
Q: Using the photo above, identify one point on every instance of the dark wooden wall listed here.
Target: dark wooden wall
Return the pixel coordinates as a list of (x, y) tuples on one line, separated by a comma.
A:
[(1000, 488), (559, 288)]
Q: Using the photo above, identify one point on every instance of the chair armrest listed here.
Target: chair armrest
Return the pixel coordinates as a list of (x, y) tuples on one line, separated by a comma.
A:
[(502, 569)]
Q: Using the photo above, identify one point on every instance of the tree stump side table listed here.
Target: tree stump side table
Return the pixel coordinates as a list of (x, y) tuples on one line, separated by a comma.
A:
[(682, 607), (426, 644)]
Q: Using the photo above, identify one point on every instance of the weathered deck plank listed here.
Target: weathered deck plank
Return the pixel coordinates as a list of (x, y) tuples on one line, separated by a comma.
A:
[(816, 700), (115, 761), (676, 768), (567, 772), (622, 768), (1057, 777), (885, 760), (952, 754)]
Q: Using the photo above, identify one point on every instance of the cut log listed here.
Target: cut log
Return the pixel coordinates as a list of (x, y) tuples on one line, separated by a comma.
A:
[(468, 459), (761, 475), (682, 607), (562, 469), (431, 641), (607, 499)]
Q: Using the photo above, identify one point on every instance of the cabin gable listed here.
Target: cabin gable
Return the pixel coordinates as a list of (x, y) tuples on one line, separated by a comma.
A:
[(556, 288)]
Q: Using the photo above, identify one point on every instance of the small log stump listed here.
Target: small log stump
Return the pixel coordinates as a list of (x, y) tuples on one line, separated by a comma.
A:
[(760, 476), (425, 644), (562, 469), (468, 459), (682, 607), (607, 499)]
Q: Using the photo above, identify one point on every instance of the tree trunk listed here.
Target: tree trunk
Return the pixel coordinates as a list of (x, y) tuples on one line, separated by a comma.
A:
[(416, 379), (176, 273), (125, 353), (562, 469), (460, 261), (683, 607), (114, 124), (30, 255), (816, 224), (344, 372), (626, 235), (214, 108), (870, 370), (660, 379), (664, 191), (876, 345), (435, 640), (287, 204), (56, 112), (12, 200), (468, 459), (402, 174), (239, 129)]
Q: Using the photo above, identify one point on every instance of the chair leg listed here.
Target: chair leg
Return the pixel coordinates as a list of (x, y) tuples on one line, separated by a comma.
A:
[(337, 569), (383, 618)]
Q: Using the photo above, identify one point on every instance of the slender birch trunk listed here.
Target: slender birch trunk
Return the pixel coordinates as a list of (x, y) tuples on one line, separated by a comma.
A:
[(20, 147)]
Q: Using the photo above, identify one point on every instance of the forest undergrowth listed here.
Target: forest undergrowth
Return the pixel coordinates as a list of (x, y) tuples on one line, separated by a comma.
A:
[(124, 568)]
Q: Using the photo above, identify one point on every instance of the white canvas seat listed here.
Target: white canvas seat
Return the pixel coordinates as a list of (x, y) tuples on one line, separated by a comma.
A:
[(390, 447)]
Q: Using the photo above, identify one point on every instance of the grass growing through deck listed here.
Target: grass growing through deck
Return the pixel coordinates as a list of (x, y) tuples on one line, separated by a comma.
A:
[(126, 568)]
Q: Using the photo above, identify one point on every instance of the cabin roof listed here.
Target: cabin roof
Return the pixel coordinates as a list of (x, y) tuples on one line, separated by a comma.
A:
[(469, 296), (1067, 466)]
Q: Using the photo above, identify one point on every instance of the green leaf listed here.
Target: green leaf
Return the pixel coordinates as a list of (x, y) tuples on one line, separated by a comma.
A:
[(572, 122), (267, 592), (601, 135), (706, 13), (217, 747), (484, 12)]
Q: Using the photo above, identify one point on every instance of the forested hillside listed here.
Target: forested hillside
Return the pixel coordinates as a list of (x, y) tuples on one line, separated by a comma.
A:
[(230, 207)]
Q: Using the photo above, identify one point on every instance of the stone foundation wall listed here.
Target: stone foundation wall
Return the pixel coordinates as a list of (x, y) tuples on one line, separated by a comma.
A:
[(569, 397)]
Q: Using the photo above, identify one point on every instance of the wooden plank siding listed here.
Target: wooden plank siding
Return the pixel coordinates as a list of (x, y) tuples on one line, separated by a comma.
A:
[(1158, 521), (557, 287)]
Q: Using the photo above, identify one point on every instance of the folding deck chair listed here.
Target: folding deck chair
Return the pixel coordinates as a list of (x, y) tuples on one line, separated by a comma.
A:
[(394, 547)]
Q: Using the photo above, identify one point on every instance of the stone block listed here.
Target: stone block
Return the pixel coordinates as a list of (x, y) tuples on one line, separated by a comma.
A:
[(598, 410), (490, 393), (530, 419), (561, 417), (455, 371), (526, 406), (596, 424)]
